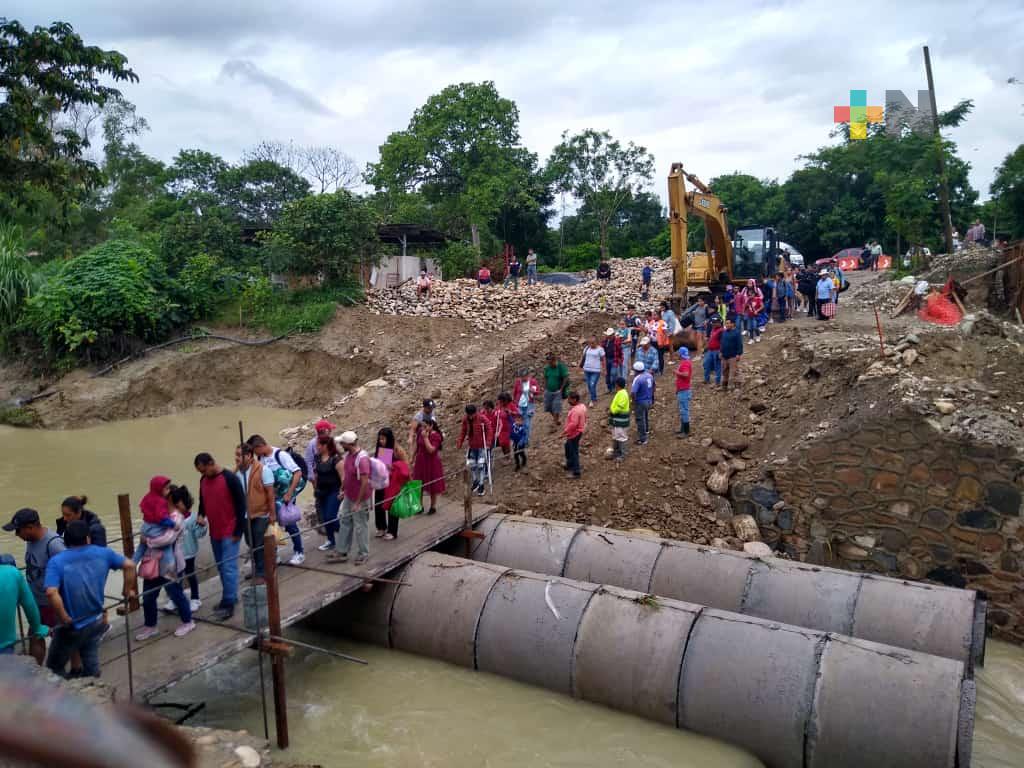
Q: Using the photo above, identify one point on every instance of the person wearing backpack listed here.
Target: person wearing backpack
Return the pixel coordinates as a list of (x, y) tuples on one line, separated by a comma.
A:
[(290, 473), (356, 500)]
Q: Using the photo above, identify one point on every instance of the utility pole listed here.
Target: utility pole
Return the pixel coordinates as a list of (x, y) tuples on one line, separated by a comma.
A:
[(947, 218)]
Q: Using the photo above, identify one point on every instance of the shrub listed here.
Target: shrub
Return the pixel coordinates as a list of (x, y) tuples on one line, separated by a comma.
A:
[(102, 303), (15, 274), (203, 284)]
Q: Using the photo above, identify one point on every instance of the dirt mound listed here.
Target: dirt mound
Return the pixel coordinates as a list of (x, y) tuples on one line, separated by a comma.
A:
[(280, 375)]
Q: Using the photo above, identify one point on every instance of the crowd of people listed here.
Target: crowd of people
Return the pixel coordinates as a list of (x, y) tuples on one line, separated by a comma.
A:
[(62, 588)]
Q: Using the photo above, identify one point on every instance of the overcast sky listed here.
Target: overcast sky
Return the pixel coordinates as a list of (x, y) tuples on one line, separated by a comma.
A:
[(721, 86)]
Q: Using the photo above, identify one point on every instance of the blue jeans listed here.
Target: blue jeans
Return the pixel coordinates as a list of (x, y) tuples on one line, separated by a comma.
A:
[(225, 552), (476, 460), (151, 591), (752, 327), (683, 399), (572, 455), (531, 275), (328, 505), (292, 529), (355, 525), (626, 363), (643, 411), (592, 379), (66, 640), (528, 421), (712, 364)]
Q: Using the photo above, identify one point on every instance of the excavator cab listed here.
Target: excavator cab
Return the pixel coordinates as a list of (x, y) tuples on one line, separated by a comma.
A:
[(755, 253)]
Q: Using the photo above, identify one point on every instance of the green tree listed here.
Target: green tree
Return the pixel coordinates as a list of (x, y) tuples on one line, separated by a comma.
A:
[(259, 190), (322, 234), (461, 151), (46, 72), (602, 173), (102, 303), (15, 274), (195, 171), (1007, 192)]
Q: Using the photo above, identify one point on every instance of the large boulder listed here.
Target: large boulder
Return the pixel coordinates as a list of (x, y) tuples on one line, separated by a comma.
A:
[(730, 440)]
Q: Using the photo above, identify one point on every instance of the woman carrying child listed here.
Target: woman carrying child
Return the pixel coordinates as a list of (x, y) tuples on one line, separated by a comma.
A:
[(193, 529), (160, 558)]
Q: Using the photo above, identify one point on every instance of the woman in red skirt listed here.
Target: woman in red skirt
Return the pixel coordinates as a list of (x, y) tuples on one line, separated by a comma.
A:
[(427, 465)]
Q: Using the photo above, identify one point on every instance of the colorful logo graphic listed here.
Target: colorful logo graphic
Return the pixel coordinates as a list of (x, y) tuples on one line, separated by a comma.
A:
[(858, 114)]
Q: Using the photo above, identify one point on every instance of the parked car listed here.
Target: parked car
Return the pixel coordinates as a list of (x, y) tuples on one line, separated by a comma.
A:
[(849, 260), (795, 257)]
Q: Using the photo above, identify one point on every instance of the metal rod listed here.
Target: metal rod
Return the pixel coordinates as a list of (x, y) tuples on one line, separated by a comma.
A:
[(346, 573), (274, 620), (878, 324), (128, 648), (467, 508), (318, 649), (947, 219)]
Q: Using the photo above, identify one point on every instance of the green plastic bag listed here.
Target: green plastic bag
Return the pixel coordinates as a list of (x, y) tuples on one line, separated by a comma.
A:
[(409, 501)]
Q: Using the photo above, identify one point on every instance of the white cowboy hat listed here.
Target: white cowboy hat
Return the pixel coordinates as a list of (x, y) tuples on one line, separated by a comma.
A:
[(645, 340), (639, 367), (610, 332)]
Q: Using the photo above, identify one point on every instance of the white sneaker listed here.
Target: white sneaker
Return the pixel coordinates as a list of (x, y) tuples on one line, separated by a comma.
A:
[(184, 629), (146, 633), (195, 605), (169, 607), (388, 537), (297, 559), (326, 547)]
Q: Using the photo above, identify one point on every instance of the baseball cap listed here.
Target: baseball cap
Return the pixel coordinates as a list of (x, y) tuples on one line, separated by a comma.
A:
[(347, 438), (22, 518), (638, 366), (322, 425), (609, 332), (428, 403)]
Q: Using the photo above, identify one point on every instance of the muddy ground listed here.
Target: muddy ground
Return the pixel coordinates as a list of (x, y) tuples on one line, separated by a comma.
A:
[(805, 377)]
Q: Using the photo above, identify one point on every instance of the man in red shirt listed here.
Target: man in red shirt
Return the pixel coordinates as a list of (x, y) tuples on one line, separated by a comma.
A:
[(713, 353), (683, 375), (575, 426), (356, 502), (222, 502)]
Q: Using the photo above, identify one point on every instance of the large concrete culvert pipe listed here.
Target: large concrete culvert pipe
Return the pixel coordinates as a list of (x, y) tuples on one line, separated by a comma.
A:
[(934, 619), (793, 697)]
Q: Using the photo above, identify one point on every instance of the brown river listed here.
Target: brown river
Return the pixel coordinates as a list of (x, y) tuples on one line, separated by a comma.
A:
[(401, 710)]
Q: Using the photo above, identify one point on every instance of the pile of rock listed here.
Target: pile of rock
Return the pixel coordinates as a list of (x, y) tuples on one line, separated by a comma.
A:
[(494, 307)]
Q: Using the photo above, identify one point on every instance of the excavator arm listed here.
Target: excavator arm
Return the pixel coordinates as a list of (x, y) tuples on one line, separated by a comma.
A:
[(717, 243)]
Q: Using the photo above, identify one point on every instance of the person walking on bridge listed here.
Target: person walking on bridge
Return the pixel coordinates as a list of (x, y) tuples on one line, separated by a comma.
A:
[(73, 508), (14, 592), (222, 503), (357, 499), (261, 511), (41, 544), (288, 481)]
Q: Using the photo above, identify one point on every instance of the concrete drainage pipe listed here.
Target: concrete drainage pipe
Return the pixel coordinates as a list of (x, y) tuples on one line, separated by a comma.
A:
[(921, 617), (793, 697)]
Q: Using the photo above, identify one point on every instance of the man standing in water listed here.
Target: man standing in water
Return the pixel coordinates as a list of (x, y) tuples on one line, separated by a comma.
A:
[(222, 503)]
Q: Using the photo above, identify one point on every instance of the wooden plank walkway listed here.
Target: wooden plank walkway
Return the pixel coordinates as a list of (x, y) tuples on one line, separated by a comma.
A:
[(165, 660)]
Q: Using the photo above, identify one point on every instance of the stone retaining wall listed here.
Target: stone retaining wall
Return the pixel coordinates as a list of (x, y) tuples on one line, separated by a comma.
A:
[(899, 497)]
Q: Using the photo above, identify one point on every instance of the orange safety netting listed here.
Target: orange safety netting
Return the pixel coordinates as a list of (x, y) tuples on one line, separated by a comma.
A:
[(939, 309)]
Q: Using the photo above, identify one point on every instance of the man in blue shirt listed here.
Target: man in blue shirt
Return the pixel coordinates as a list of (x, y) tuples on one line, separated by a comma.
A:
[(75, 583), (824, 292), (645, 282), (643, 398)]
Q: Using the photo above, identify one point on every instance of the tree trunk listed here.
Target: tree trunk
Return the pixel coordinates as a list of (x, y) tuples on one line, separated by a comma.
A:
[(475, 235), (604, 240)]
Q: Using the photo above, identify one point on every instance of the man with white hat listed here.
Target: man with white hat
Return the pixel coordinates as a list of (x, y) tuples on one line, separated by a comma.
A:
[(356, 502), (612, 358), (647, 354), (642, 393), (824, 292)]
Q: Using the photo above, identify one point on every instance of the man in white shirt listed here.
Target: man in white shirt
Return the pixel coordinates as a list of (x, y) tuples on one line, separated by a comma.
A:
[(531, 267)]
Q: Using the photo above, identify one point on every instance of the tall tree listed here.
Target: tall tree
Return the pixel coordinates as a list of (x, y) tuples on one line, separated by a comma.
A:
[(461, 150), (601, 172), (48, 71), (1008, 194), (331, 169), (258, 190)]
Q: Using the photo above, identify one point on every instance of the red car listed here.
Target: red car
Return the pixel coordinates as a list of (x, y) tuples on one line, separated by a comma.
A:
[(849, 260)]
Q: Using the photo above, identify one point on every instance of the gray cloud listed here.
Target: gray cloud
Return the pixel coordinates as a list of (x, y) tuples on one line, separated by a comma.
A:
[(242, 69)]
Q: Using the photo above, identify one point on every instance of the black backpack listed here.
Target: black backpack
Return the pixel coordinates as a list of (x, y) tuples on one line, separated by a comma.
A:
[(299, 459)]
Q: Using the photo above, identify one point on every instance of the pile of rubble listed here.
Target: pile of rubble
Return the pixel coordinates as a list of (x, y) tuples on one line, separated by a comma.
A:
[(496, 307)]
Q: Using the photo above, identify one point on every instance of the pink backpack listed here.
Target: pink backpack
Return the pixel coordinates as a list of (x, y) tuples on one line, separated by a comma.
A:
[(380, 476)]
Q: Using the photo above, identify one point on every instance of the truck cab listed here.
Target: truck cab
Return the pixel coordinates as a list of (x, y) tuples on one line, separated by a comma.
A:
[(755, 252)]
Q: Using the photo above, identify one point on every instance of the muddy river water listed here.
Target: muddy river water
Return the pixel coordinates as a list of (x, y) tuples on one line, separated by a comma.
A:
[(401, 710)]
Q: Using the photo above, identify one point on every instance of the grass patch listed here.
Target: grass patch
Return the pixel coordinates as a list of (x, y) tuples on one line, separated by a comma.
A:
[(303, 311), (17, 417)]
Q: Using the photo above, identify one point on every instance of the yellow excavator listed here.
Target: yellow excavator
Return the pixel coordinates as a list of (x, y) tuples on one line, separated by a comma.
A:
[(750, 254)]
